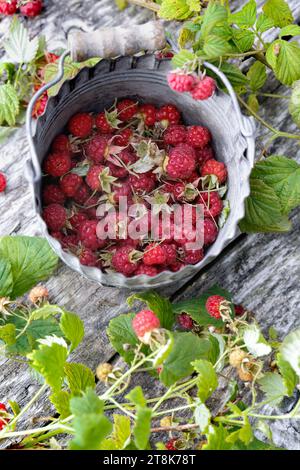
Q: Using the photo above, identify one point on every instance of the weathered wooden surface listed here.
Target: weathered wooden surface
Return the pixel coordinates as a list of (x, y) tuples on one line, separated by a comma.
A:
[(262, 270)]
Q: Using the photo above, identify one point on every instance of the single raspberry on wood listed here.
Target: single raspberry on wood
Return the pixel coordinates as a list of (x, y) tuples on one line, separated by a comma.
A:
[(213, 305), (123, 262), (181, 161), (2, 182), (213, 204), (70, 183), (175, 134), (154, 254), (204, 154), (88, 235), (102, 124), (55, 217), (168, 114), (147, 270), (97, 148), (185, 321), (127, 109), (213, 167), (52, 194), (198, 136), (144, 323), (204, 89), (181, 82), (210, 231), (81, 125), (8, 7), (31, 8), (148, 114), (123, 137), (57, 164), (61, 144), (143, 183)]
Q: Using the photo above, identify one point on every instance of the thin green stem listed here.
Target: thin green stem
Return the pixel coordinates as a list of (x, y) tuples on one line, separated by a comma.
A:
[(274, 95), (178, 408), (122, 408)]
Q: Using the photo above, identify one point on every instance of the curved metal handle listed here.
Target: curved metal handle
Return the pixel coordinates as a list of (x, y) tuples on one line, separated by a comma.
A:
[(246, 124), (33, 169)]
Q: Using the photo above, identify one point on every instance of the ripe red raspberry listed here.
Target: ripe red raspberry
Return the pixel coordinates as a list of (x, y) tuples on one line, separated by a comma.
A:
[(213, 305), (55, 217), (239, 310), (70, 183), (70, 241), (175, 134), (88, 258), (93, 177), (176, 266), (181, 161), (57, 164), (160, 55), (204, 154), (126, 109), (2, 182), (127, 157), (176, 190), (144, 183), (81, 125), (123, 137), (121, 191), (40, 105), (77, 219), (61, 144), (91, 205), (204, 89), (82, 195), (8, 7), (88, 235), (168, 114), (148, 114), (185, 321), (193, 256), (102, 124), (213, 167), (147, 270), (210, 231), (170, 445), (154, 254), (97, 148), (213, 204), (31, 8), (198, 136), (181, 82), (52, 194), (122, 261), (57, 235), (3, 421), (144, 323), (51, 57), (170, 252)]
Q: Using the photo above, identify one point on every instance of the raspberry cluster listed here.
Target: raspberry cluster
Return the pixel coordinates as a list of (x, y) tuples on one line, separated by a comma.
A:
[(28, 8), (147, 155), (200, 88)]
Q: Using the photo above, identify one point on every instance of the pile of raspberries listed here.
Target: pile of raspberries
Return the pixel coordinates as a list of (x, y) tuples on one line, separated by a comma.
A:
[(145, 154), (28, 8)]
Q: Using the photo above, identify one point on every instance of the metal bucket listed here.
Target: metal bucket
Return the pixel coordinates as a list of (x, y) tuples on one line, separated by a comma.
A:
[(144, 78)]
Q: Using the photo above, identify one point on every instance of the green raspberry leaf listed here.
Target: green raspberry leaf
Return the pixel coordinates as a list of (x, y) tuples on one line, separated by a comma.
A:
[(79, 377), (49, 360), (182, 57), (264, 23), (9, 104), (290, 30), (257, 76), (202, 417), (215, 46), (61, 401), (18, 46), (288, 374), (121, 431), (215, 15), (208, 380), (282, 174), (142, 426), (263, 211), (72, 327), (136, 396), (243, 39), (6, 278), (284, 58), (246, 17), (122, 336), (8, 333), (176, 9), (88, 403), (290, 350), (273, 386), (161, 306), (217, 438), (187, 348), (279, 12), (31, 258), (294, 105)]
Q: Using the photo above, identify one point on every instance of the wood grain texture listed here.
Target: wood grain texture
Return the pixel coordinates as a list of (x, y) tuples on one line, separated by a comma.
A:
[(262, 270)]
